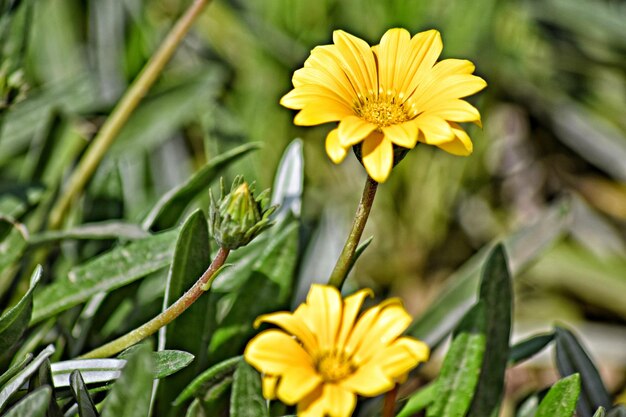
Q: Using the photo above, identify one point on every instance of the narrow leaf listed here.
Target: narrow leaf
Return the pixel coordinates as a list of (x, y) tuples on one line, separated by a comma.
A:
[(171, 206), (15, 321), (86, 407), (109, 271), (419, 400), (529, 347), (496, 293), (246, 399), (15, 368), (18, 380), (561, 399), (92, 231), (130, 396), (618, 411), (192, 256), (208, 378), (600, 412), (289, 181), (461, 367), (34, 404), (358, 252), (571, 358)]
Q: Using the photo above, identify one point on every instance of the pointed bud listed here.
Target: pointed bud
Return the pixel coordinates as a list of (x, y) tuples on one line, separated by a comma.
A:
[(238, 217)]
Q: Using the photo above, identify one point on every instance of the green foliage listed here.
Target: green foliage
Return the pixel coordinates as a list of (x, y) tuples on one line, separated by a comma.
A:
[(34, 404), (14, 322), (246, 399), (561, 399)]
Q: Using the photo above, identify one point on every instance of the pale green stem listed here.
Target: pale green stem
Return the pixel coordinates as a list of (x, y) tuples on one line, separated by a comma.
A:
[(342, 267), (167, 316), (122, 111)]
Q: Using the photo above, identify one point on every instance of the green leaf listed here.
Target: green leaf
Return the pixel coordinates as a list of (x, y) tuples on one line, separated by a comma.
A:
[(358, 252), (15, 383), (171, 206), (246, 399), (523, 247), (267, 287), (12, 247), (419, 400), (461, 367), (92, 231), (571, 358), (192, 256), (15, 321), (43, 378), (15, 369), (529, 347), (114, 269), (86, 407), (130, 395), (600, 412), (209, 378), (496, 293), (34, 404), (288, 182), (561, 399), (617, 411), (95, 371)]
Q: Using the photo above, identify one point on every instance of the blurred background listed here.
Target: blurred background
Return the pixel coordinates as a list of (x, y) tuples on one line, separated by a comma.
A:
[(554, 138)]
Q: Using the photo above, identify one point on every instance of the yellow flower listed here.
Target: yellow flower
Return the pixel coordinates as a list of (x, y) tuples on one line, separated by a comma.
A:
[(326, 355), (390, 94)]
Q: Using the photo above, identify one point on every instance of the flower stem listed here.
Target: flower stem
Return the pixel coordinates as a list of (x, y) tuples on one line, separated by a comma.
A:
[(390, 402), (122, 111), (342, 267), (167, 316)]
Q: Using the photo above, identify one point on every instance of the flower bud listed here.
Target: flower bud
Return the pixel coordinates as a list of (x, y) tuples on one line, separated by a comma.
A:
[(239, 216)]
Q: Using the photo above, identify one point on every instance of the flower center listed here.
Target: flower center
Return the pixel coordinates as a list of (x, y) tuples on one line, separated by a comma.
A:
[(334, 366), (383, 110)]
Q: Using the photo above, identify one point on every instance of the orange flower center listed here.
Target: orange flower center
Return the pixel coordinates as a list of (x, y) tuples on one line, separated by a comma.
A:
[(383, 110), (334, 366)]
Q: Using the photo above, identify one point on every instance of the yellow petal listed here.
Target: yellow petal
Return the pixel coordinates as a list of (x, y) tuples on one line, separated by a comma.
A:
[(338, 402), (377, 154), (351, 307), (261, 352), (436, 130), (352, 130), (401, 356), (391, 64), (453, 66), (358, 61), (296, 383), (312, 405), (337, 81), (461, 144), (448, 88), (293, 325), (334, 150), (368, 380), (300, 97), (404, 134), (455, 110), (325, 305), (268, 383), (323, 112), (390, 322), (360, 332), (425, 48)]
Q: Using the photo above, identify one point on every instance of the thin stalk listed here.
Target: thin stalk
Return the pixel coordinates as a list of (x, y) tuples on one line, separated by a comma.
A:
[(342, 266), (122, 111), (167, 316), (390, 402)]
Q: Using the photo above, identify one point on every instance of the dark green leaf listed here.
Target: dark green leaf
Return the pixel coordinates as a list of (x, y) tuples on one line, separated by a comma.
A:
[(561, 399), (618, 411), (86, 407), (43, 378), (246, 399), (523, 247), (496, 293), (461, 367), (92, 231), (189, 332), (168, 362), (109, 271), (130, 396), (12, 247), (15, 369), (529, 347), (419, 400), (15, 321), (208, 378), (34, 404), (171, 206), (359, 251), (18, 380), (571, 358)]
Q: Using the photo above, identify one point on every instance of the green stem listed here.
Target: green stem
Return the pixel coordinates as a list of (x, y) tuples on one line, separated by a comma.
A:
[(167, 316), (122, 111), (342, 267)]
